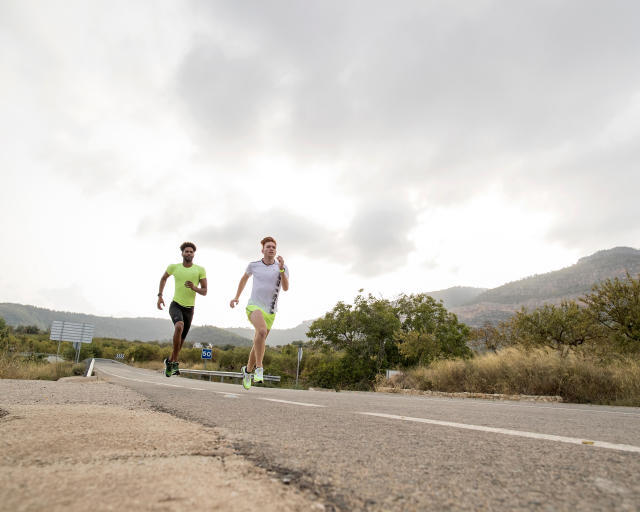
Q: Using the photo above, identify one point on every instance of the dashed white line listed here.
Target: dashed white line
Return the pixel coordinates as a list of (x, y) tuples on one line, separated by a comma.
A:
[(497, 403), (509, 432), (293, 403)]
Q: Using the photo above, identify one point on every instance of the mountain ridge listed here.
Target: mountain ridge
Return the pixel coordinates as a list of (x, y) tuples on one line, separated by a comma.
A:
[(498, 304), (473, 306), (127, 328)]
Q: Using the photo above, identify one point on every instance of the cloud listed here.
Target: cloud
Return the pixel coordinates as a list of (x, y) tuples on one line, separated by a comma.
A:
[(242, 234), (376, 241), (597, 195), (439, 99), (379, 237), (69, 298)]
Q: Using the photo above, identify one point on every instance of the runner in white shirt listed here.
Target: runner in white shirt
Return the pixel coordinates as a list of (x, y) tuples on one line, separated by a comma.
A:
[(269, 275)]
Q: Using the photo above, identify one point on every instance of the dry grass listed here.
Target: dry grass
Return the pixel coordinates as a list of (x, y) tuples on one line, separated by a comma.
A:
[(13, 367), (148, 365), (535, 372)]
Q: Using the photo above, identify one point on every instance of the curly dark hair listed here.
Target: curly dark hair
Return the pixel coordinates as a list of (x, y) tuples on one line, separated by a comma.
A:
[(188, 244), (268, 239)]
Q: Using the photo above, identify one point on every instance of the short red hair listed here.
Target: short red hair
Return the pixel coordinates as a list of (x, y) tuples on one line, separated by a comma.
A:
[(268, 239)]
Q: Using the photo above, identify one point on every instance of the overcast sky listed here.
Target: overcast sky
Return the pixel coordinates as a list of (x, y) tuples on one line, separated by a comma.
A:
[(391, 146)]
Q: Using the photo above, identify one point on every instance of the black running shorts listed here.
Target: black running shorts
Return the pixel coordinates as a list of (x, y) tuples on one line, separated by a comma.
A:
[(180, 313)]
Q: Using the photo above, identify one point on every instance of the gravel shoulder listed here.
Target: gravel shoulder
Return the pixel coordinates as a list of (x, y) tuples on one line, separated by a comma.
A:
[(82, 444)]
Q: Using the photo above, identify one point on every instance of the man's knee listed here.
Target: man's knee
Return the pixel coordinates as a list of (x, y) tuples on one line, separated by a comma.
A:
[(179, 326), (262, 332)]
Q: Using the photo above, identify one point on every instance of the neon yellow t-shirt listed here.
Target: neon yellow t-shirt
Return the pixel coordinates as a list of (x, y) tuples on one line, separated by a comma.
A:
[(185, 296)]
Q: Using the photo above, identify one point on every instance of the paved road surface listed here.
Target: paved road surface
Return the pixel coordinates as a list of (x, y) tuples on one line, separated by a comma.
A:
[(375, 451)]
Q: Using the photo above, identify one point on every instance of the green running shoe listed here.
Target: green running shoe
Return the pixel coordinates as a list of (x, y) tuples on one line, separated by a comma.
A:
[(246, 378), (174, 368), (257, 376), (168, 367)]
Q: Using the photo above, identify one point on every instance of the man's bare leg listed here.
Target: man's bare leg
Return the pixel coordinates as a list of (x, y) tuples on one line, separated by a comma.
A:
[(177, 341), (259, 340), (252, 358)]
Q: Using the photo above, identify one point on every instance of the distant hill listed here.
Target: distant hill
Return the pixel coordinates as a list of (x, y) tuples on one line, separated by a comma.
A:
[(500, 303), (457, 296), (141, 329)]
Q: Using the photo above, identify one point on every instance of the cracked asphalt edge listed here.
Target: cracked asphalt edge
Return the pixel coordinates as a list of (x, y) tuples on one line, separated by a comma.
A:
[(37, 419)]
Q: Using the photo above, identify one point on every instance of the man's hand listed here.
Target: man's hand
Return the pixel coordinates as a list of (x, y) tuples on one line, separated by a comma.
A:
[(280, 262), (189, 284), (233, 303), (160, 302)]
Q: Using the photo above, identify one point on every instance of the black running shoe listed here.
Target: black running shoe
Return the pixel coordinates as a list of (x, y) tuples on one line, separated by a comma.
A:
[(174, 368), (168, 367)]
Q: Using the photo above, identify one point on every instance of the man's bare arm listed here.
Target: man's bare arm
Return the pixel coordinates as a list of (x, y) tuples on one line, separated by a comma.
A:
[(285, 279), (163, 281), (241, 285), (203, 286)]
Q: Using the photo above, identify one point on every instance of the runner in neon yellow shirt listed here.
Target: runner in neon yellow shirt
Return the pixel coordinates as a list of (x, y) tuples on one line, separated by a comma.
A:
[(269, 275), (185, 274)]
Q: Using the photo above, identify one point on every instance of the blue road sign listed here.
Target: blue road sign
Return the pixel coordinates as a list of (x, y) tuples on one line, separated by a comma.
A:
[(206, 353)]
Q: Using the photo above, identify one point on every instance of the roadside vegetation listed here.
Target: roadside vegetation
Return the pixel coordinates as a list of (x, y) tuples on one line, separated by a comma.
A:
[(584, 351), (28, 368), (539, 371), (23, 355)]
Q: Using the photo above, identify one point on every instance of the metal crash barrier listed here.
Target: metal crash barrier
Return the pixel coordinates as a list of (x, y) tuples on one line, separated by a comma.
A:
[(231, 375)]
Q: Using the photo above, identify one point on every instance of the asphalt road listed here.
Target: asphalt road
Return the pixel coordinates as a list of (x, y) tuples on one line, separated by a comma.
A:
[(376, 451)]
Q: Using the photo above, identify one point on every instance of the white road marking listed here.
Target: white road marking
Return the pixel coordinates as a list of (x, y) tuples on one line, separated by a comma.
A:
[(509, 432), (164, 383), (293, 403), (498, 403), (225, 393)]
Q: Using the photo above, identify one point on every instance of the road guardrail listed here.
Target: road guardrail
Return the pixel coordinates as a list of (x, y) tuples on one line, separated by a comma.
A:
[(232, 375)]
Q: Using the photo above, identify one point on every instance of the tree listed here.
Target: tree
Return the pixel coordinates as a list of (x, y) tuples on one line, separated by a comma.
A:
[(487, 336), (614, 305), (141, 352), (365, 331), (559, 327), (428, 331), (376, 333), (27, 329), (418, 348), (4, 334)]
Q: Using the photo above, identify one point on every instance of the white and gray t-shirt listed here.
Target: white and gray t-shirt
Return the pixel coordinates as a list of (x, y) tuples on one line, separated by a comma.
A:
[(267, 280)]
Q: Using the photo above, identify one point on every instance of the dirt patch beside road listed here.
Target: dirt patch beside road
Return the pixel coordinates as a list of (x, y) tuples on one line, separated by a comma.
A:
[(68, 446)]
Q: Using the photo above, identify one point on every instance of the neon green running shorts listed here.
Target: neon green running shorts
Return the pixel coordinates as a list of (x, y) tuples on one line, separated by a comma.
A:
[(268, 318)]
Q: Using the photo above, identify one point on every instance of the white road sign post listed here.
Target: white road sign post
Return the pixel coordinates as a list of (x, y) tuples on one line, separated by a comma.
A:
[(76, 333), (298, 367)]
